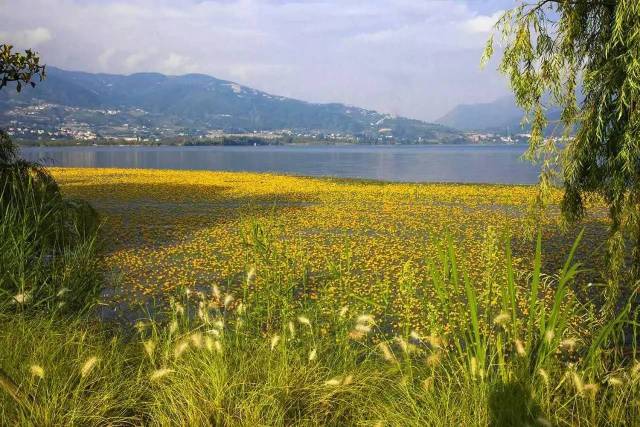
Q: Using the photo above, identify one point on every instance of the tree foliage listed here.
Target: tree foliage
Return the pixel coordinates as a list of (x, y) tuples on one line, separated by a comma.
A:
[(21, 68), (583, 55)]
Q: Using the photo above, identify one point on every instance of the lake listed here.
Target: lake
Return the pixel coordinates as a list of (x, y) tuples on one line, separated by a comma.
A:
[(423, 163)]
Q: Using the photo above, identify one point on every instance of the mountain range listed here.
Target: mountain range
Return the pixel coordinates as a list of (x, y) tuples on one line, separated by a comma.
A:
[(501, 116), (152, 104)]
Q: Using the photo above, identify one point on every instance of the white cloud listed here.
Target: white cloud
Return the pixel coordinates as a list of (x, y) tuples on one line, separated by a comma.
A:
[(28, 38), (176, 63), (482, 23)]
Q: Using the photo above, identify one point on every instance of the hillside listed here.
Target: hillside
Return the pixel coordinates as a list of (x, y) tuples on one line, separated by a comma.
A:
[(501, 116), (152, 105)]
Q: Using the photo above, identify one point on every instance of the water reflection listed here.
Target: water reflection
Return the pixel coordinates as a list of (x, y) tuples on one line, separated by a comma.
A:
[(443, 163)]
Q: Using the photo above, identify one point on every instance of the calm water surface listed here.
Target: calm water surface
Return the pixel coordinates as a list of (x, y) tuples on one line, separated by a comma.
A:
[(433, 163)]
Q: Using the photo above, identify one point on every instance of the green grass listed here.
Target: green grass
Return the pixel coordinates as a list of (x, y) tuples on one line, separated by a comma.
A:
[(48, 244), (272, 355)]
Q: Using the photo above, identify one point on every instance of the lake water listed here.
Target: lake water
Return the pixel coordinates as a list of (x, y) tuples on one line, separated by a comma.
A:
[(427, 163)]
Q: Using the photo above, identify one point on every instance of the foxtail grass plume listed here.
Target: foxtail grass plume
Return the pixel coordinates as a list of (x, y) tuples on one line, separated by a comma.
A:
[(180, 348), (590, 389), (215, 290), (333, 382), (356, 335), (251, 275), (502, 319), (473, 366), (348, 380), (365, 329), (304, 320), (292, 329), (386, 352), (615, 381), (274, 341), (149, 347), (88, 366), (196, 339), (366, 319), (312, 355), (208, 343), (520, 348), (433, 359), (548, 336), (37, 371), (569, 344), (577, 382), (173, 327), (427, 384), (179, 309), (228, 299), (22, 298), (160, 373), (404, 345), (544, 375)]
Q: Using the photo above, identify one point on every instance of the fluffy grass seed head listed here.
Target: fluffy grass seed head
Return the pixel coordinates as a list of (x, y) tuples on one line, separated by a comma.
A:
[(544, 375), (336, 381), (577, 382), (304, 321), (502, 319), (366, 319), (160, 373), (548, 336), (149, 347), (343, 311), (180, 348), (404, 345), (386, 352), (215, 291), (433, 359), (313, 354), (37, 371), (292, 329), (615, 381), (196, 339), (362, 328), (228, 299), (251, 275), (274, 341), (88, 366), (569, 344), (173, 327), (22, 298), (520, 348)]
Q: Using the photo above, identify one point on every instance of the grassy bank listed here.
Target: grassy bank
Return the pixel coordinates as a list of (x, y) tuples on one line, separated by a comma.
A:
[(272, 354)]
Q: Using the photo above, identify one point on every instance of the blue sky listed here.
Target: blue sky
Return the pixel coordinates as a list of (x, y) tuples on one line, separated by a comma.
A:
[(414, 58)]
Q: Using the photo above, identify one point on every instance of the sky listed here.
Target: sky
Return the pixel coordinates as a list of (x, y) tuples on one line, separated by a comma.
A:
[(414, 58)]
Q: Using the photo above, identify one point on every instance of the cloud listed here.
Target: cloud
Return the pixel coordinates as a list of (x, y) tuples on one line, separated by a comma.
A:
[(482, 23), (407, 57), (28, 38), (176, 63)]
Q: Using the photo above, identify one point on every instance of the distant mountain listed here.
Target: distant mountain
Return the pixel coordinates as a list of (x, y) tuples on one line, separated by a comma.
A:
[(501, 116), (151, 104)]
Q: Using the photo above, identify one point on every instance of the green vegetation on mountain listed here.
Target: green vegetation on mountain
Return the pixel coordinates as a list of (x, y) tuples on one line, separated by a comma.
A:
[(195, 104)]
